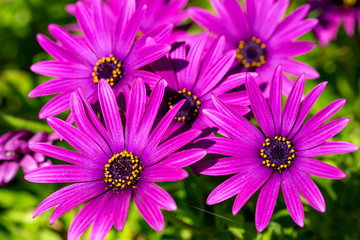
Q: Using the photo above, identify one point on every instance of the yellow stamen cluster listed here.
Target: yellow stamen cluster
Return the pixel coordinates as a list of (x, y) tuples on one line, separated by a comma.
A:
[(109, 67), (349, 3), (278, 153), (192, 100), (254, 45), (123, 170), (139, 34)]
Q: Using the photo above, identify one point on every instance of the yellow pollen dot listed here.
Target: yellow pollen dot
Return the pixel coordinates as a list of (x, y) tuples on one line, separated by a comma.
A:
[(189, 93), (268, 164), (263, 162), (263, 45)]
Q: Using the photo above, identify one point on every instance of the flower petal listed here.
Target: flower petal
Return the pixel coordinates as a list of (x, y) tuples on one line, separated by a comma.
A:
[(260, 107), (229, 165), (62, 69), (275, 98), (184, 158), (266, 202), (64, 173), (328, 148), (122, 208), (157, 195), (253, 183), (150, 212), (163, 174), (292, 105), (320, 134), (318, 168), (56, 105), (308, 189), (292, 198)]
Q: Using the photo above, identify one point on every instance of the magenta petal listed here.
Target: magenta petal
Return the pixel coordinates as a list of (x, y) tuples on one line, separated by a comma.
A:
[(111, 114), (157, 195), (230, 127), (266, 202), (64, 155), (194, 58), (90, 191), (135, 109), (226, 146), (292, 198), (170, 146), (229, 165), (159, 131), (105, 217), (62, 69), (146, 56), (260, 107), (72, 44), (253, 183), (64, 173), (85, 218), (321, 116), (8, 171), (147, 120), (292, 105), (318, 168), (275, 98), (297, 68), (217, 49), (102, 34), (305, 107), (148, 209), (184, 158), (122, 208), (231, 186), (78, 139), (56, 105), (163, 174), (320, 134), (163, 68), (328, 148), (308, 189), (60, 195), (206, 20), (85, 125)]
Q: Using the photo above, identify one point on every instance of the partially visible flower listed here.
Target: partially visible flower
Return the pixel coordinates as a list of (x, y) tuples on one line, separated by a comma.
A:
[(111, 166), (333, 14), (158, 13), (281, 155), (108, 51), (15, 152), (261, 38), (193, 75)]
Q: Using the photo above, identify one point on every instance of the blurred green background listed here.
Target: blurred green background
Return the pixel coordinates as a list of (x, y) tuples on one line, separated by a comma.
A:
[(338, 63)]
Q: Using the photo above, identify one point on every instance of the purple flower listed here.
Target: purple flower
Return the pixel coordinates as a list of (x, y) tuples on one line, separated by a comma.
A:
[(108, 51), (261, 39), (194, 75), (15, 152), (113, 166), (281, 155), (332, 15)]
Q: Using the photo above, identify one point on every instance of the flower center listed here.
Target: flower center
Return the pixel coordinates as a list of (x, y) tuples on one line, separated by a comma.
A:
[(123, 170), (251, 54), (108, 68), (346, 3), (277, 153), (190, 110)]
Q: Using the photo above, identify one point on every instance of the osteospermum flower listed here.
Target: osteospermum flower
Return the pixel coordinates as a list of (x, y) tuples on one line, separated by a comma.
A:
[(282, 155), (113, 167), (261, 38), (108, 51), (15, 152), (333, 14), (194, 75)]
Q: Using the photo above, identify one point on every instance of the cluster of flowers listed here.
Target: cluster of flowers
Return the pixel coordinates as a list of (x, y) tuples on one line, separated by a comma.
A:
[(162, 93)]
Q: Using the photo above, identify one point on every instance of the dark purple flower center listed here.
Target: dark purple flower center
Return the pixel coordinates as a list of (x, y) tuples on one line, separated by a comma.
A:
[(108, 68), (123, 170), (251, 54), (277, 153), (190, 110)]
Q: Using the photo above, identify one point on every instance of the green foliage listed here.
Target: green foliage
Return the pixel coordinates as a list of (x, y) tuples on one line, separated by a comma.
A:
[(338, 63)]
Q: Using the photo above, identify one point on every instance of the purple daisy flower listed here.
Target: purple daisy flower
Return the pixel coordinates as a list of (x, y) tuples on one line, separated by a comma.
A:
[(108, 51), (332, 15), (261, 39), (112, 166), (281, 155), (194, 73), (15, 152)]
